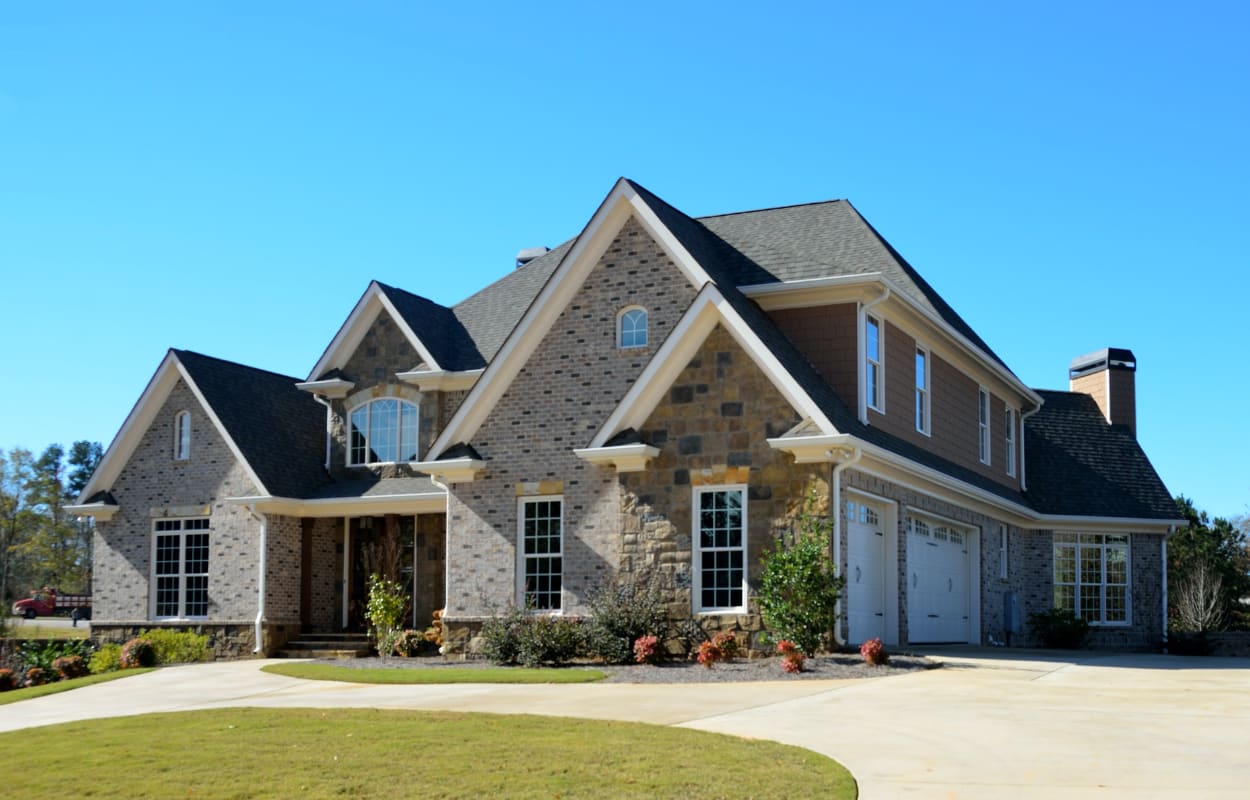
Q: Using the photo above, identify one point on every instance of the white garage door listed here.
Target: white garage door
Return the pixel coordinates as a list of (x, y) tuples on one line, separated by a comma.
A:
[(938, 582), (865, 572)]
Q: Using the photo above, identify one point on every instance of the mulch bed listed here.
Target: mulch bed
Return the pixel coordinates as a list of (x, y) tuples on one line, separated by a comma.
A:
[(837, 666)]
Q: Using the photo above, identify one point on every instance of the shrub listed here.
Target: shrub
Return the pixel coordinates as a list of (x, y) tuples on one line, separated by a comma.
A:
[(532, 640), (1059, 628), (41, 653), (501, 633), (37, 676), (874, 652), (729, 644), (623, 610), (70, 667), (408, 643), (709, 654), (792, 656), (647, 650), (7, 680), (1182, 643), (107, 659), (384, 609), (799, 584), (137, 653), (177, 647)]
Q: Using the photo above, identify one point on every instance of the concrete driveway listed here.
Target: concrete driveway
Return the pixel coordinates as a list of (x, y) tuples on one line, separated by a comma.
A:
[(988, 725)]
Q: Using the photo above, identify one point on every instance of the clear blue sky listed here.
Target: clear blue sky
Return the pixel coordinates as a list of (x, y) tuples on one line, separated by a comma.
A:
[(228, 177)]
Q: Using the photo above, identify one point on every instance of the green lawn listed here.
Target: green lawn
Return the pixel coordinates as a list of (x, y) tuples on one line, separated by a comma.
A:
[(64, 686), (329, 672), (312, 753), (20, 629)]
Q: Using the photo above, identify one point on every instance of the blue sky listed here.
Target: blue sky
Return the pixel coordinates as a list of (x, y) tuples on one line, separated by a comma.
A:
[(227, 178)]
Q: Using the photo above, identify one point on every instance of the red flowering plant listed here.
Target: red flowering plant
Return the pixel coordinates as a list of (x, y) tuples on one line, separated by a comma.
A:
[(7, 680), (37, 676), (709, 654), (728, 644), (647, 649), (138, 653), (874, 652), (792, 657), (70, 667)]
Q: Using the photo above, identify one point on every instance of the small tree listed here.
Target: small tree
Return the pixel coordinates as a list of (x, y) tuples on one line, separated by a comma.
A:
[(1199, 601), (384, 611), (799, 586)]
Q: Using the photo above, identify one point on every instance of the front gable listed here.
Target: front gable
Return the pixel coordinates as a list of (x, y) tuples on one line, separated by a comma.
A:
[(363, 321)]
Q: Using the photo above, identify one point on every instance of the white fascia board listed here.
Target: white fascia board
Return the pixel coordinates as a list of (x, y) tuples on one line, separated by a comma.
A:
[(102, 512), (335, 387), (440, 380), (335, 507), (451, 470), (709, 308), (625, 457), (353, 330), (620, 204), (1101, 524)]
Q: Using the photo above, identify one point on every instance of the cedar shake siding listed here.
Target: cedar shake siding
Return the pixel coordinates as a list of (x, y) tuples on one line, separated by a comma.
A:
[(827, 338)]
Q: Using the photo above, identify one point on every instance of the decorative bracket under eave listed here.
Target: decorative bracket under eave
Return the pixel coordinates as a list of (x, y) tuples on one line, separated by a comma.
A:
[(813, 449), (625, 457), (101, 512), (451, 470)]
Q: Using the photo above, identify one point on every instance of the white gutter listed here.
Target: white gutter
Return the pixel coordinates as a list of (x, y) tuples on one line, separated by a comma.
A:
[(260, 580), (836, 501), (861, 340), (329, 420), (446, 552)]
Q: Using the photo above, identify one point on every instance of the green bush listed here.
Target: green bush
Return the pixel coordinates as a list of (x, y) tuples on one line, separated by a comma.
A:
[(106, 659), (138, 653), (501, 634), (385, 610), (1059, 628), (799, 584), (623, 611), (532, 640), (42, 652), (177, 647)]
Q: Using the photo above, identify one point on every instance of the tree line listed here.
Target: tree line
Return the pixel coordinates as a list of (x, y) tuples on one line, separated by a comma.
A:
[(41, 544)]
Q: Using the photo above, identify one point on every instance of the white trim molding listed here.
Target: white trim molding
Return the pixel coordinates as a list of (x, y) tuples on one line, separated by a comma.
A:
[(440, 380), (623, 457), (452, 470)]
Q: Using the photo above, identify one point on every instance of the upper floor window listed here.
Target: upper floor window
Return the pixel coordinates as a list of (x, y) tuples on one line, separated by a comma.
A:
[(1009, 420), (874, 374), (631, 328), (182, 436), (383, 431), (922, 390), (983, 425)]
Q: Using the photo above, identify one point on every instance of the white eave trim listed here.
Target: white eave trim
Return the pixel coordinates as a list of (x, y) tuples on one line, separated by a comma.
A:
[(101, 512), (451, 470), (350, 335), (624, 457), (334, 387), (413, 503), (440, 380)]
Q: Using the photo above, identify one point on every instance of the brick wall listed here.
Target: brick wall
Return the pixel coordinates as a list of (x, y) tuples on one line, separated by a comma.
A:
[(284, 540), (326, 601)]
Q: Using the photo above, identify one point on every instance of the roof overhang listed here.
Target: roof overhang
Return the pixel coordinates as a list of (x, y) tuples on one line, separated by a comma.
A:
[(624, 457), (452, 470), (334, 387), (440, 380), (417, 503), (101, 512)]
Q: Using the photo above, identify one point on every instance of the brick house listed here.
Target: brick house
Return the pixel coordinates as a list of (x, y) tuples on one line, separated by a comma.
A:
[(659, 395)]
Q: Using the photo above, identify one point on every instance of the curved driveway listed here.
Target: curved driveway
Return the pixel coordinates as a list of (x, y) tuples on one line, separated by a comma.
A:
[(988, 725)]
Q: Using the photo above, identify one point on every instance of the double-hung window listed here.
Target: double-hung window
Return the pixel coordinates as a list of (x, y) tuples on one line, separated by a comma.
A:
[(383, 431), (542, 552), (1092, 576), (922, 390), (720, 552), (983, 425), (1009, 421), (874, 360), (180, 568)]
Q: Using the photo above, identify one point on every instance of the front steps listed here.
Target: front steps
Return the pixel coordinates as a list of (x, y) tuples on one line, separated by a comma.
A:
[(327, 645)]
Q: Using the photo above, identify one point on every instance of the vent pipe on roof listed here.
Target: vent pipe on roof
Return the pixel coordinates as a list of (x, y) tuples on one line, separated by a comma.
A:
[(529, 254), (1110, 377)]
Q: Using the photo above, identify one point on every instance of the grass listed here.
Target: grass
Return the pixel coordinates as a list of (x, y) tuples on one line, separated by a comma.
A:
[(20, 629), (64, 686), (314, 753), (329, 672)]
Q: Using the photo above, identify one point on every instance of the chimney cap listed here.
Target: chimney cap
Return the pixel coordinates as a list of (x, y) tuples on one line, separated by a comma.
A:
[(528, 254), (1106, 358)]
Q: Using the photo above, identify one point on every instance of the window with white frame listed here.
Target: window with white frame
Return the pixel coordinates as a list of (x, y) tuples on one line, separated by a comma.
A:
[(983, 425), (922, 390), (874, 361), (1092, 576), (720, 551), (542, 552), (383, 431), (180, 568), (631, 328), (1002, 552), (182, 436), (1009, 421)]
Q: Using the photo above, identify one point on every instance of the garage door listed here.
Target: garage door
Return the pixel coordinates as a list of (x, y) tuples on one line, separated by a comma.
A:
[(938, 582), (865, 572)]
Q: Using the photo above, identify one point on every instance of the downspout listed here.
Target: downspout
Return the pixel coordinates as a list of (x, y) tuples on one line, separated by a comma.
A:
[(862, 341), (836, 482), (446, 552), (260, 580), (329, 422)]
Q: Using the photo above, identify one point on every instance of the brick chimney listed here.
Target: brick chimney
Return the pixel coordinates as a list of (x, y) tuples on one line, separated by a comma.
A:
[(1109, 376)]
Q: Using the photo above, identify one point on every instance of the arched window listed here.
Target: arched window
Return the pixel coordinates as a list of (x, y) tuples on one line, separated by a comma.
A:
[(631, 328), (182, 436), (383, 431)]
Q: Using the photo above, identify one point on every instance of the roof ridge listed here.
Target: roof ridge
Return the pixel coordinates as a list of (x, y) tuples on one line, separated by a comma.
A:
[(773, 208), (180, 352), (386, 287)]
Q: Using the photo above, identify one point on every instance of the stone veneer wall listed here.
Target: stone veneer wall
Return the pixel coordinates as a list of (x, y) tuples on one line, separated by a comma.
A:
[(225, 641), (153, 485), (558, 400), (712, 429)]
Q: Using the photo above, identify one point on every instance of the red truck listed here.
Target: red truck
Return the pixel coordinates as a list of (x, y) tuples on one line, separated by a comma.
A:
[(47, 602)]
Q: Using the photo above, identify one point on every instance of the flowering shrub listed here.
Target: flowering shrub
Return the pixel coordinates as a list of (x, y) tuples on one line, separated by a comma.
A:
[(70, 667), (384, 608), (408, 643), (647, 649), (874, 652), (137, 653), (792, 657), (709, 654), (622, 610), (7, 680), (36, 676), (728, 644)]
